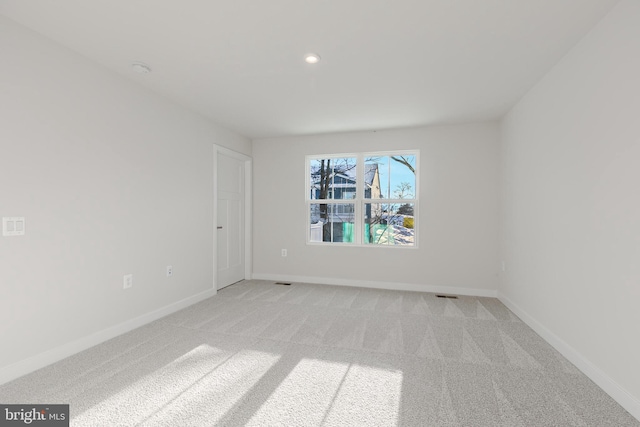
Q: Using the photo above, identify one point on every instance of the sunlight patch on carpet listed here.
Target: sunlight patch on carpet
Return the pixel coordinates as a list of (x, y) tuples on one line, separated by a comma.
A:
[(306, 393), (182, 391), (368, 396)]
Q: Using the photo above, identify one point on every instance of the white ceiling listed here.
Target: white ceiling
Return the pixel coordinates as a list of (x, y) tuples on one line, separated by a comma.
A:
[(385, 63)]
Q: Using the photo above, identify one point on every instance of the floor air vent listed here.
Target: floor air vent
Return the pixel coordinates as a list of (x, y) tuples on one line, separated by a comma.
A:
[(447, 296), (282, 283)]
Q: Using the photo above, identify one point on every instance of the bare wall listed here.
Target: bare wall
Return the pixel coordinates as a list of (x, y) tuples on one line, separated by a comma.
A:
[(571, 205), (457, 221), (112, 180)]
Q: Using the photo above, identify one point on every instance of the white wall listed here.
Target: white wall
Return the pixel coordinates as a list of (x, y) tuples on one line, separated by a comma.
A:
[(112, 179), (458, 221), (571, 205)]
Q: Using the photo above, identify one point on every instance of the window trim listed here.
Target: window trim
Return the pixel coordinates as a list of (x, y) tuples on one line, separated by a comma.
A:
[(360, 201)]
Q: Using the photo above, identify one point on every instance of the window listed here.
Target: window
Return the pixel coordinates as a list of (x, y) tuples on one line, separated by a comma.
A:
[(363, 199)]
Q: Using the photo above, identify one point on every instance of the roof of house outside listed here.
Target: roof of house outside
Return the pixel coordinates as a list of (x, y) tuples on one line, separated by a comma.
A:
[(370, 170)]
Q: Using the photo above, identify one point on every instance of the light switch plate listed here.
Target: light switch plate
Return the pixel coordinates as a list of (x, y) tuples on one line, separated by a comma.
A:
[(13, 226)]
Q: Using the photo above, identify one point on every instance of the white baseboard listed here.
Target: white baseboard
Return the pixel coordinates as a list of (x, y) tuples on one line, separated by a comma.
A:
[(606, 383), (379, 285), (26, 366)]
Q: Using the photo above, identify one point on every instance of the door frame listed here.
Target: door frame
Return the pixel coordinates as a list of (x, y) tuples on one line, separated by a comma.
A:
[(248, 162)]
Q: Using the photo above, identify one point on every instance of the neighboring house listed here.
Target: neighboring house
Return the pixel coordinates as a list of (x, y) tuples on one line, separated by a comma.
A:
[(371, 181), (343, 187), (372, 191)]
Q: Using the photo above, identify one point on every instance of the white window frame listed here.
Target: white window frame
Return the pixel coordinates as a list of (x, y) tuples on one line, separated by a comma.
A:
[(359, 201)]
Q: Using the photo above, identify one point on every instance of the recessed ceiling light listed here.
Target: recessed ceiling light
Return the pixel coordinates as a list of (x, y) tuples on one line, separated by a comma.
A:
[(141, 68), (312, 58)]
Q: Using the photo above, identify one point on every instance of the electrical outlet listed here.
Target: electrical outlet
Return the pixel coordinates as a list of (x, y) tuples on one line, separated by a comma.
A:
[(127, 282), (284, 252), (169, 271)]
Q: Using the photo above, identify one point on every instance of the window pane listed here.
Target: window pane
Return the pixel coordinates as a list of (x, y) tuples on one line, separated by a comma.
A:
[(331, 222), (390, 177), (403, 177), (389, 224), (333, 178)]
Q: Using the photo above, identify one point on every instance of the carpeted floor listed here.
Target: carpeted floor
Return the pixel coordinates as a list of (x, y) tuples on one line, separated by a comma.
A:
[(309, 355)]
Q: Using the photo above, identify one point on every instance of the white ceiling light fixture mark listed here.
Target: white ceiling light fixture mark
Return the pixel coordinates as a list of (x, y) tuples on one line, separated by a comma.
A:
[(141, 68), (312, 58)]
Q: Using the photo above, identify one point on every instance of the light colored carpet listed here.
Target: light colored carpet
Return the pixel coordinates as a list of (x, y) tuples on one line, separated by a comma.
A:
[(309, 355)]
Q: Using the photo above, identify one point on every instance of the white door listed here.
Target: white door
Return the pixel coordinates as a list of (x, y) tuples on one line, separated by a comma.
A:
[(231, 220)]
